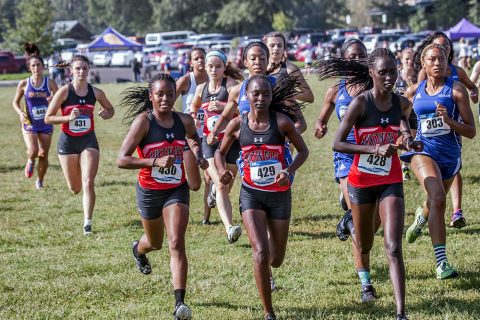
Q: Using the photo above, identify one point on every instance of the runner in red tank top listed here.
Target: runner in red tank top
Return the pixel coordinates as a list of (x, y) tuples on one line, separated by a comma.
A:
[(265, 197), (159, 135), (377, 115)]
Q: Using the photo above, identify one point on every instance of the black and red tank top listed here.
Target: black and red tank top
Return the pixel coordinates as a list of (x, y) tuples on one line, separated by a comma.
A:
[(376, 127), (211, 118), (161, 142), (83, 124), (263, 155)]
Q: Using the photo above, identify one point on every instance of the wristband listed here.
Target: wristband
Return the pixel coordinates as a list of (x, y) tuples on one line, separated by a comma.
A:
[(285, 171)]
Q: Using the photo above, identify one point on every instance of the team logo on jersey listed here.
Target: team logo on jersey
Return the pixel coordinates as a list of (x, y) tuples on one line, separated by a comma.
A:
[(81, 101), (418, 96), (214, 98), (442, 95), (255, 140), (341, 97), (384, 120), (170, 136)]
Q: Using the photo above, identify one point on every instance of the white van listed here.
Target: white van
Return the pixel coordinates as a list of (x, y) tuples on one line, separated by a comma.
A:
[(156, 39)]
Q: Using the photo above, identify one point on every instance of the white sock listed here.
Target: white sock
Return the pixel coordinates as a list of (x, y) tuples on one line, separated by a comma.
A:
[(87, 222)]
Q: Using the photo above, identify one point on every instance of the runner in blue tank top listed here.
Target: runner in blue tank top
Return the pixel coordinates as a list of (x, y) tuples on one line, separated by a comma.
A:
[(443, 114), (38, 91), (458, 74)]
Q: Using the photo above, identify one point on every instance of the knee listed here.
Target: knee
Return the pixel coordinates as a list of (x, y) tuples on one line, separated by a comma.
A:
[(42, 154), (88, 183), (176, 244), (362, 247), (32, 153), (154, 244), (393, 250), (194, 186), (437, 200), (276, 262), (222, 188), (260, 257), (75, 189)]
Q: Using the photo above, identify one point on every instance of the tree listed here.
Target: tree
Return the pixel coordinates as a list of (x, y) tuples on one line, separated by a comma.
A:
[(319, 14), (474, 11), (32, 25), (448, 12), (397, 12), (7, 14), (419, 21), (281, 22)]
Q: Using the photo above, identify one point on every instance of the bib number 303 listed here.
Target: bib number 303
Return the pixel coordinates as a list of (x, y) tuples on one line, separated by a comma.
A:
[(434, 126), (373, 164)]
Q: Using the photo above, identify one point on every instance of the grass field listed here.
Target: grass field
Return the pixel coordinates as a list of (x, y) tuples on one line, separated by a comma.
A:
[(14, 76), (49, 270)]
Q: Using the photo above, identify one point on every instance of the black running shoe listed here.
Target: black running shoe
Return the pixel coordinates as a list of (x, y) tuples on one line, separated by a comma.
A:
[(368, 293), (342, 230), (270, 317), (206, 222), (143, 265), (401, 317), (182, 312)]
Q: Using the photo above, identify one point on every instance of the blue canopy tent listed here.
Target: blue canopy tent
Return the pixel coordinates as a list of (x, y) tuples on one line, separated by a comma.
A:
[(111, 40), (463, 29)]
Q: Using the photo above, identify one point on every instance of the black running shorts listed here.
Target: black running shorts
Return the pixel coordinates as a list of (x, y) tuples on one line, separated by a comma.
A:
[(151, 202), (277, 205), (76, 144), (372, 194), (412, 120), (232, 154)]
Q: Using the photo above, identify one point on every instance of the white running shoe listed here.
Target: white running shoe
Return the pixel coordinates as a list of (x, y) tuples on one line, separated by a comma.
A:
[(234, 232), (182, 312)]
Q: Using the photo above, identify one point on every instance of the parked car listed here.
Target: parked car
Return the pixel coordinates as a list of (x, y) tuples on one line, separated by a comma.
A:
[(122, 58), (374, 41), (312, 39), (9, 63), (404, 42)]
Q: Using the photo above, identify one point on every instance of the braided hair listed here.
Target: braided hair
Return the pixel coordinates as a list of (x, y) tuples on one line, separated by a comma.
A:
[(355, 72), (77, 57), (417, 58), (285, 89), (136, 99)]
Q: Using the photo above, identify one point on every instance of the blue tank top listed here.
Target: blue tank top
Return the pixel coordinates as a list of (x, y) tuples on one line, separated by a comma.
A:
[(341, 105), (36, 102), (454, 73), (432, 130), (243, 104)]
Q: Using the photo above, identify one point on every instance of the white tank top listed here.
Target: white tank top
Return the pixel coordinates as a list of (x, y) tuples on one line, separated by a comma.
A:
[(188, 97)]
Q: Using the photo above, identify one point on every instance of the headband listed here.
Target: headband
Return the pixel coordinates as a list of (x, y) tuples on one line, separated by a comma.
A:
[(217, 53), (255, 44), (350, 42)]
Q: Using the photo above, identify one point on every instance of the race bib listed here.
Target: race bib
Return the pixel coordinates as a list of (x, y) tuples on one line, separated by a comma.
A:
[(211, 121), (171, 175), (81, 124), (263, 173), (201, 116), (378, 165), (38, 112), (434, 126)]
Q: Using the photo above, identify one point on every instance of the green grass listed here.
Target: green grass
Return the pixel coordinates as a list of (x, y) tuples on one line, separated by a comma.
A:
[(14, 76), (49, 270)]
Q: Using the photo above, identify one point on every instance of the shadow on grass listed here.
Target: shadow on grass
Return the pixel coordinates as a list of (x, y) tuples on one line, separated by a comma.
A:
[(471, 179), (223, 304), (114, 183), (6, 169), (136, 223), (304, 235), (317, 217)]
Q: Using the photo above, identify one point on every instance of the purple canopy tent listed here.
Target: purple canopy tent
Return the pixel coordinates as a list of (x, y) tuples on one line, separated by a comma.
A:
[(463, 29)]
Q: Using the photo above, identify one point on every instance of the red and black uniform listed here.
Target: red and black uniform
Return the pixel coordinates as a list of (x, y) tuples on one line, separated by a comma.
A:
[(158, 187), (263, 158), (372, 176), (78, 135), (211, 118)]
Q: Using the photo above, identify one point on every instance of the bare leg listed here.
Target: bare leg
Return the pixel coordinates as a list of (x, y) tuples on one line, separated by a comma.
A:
[(457, 192), (206, 209), (70, 164), (89, 159), (45, 141)]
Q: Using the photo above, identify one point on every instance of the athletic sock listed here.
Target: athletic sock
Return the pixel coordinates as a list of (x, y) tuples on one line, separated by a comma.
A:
[(87, 222), (440, 253), (179, 296), (364, 275), (138, 254)]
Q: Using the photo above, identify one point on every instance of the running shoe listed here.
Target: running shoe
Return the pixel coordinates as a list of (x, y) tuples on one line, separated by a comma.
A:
[(87, 230), (401, 317), (343, 203), (273, 285), (29, 169), (182, 312), (270, 317), (234, 232), (406, 173), (212, 197), (143, 265), (415, 229), (446, 271), (342, 230), (38, 184), (206, 222), (458, 221), (369, 293)]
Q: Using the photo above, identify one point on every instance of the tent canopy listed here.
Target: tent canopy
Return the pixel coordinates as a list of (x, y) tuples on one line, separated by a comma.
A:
[(463, 29), (111, 40)]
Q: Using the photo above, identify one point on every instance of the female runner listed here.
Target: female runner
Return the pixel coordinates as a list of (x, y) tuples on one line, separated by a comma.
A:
[(375, 178), (159, 135), (211, 98), (38, 91), (78, 149), (443, 114), (265, 197)]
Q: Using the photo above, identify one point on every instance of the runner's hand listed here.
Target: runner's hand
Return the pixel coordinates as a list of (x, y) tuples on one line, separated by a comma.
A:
[(474, 94), (387, 150), (164, 162), (103, 114), (23, 118), (74, 114), (216, 106), (226, 176), (442, 112), (212, 139), (416, 146), (202, 163), (282, 179), (320, 129)]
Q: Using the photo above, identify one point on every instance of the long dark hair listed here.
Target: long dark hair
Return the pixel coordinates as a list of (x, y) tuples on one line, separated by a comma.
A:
[(417, 58), (77, 57), (285, 88), (136, 99), (355, 72), (276, 34)]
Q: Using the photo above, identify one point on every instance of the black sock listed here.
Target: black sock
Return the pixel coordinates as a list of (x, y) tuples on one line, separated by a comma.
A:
[(179, 296), (136, 253)]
